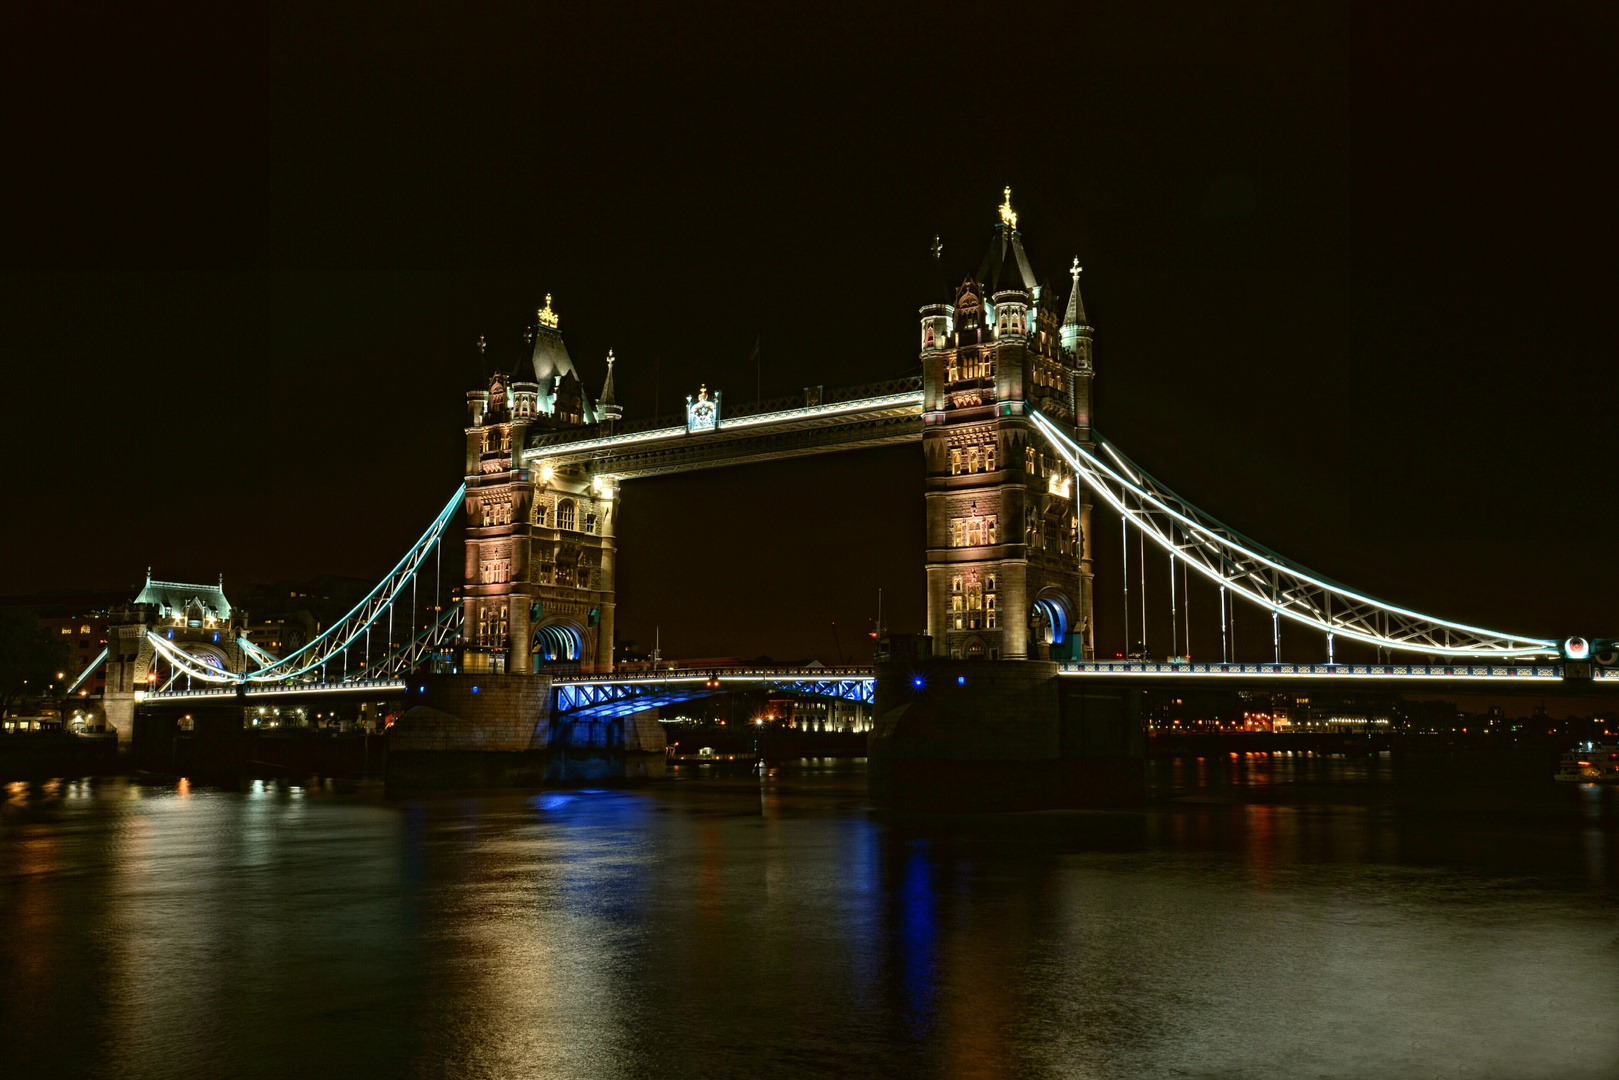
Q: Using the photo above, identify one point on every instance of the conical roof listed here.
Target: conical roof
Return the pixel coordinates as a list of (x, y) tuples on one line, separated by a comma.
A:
[(1005, 265), (1075, 315), (550, 355)]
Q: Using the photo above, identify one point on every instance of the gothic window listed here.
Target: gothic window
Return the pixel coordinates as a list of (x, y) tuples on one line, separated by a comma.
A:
[(989, 531), (483, 624), (564, 575), (955, 462), (1028, 458), (565, 514), (989, 610), (488, 516), (955, 584), (590, 523), (501, 630), (955, 533), (972, 459), (989, 458), (505, 438), (541, 514), (950, 371), (975, 533), (927, 338)]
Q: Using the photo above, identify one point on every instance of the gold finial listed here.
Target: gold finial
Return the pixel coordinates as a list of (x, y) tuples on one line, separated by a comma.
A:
[(1075, 270), (1008, 215), (480, 344), (609, 357), (545, 315)]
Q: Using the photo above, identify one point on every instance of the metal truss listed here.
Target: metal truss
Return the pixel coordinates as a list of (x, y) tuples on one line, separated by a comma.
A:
[(1228, 558), (425, 648), (621, 695), (348, 632)]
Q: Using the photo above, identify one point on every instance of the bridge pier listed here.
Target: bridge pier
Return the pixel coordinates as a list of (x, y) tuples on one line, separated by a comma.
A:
[(958, 736), (499, 731)]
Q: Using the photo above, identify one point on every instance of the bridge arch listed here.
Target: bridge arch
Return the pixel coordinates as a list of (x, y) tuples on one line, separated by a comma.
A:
[(557, 641)]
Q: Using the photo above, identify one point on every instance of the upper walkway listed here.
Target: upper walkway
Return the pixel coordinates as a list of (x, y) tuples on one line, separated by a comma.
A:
[(878, 414)]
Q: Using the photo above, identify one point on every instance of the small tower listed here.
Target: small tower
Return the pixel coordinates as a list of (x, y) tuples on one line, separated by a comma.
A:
[(1077, 339), (607, 409)]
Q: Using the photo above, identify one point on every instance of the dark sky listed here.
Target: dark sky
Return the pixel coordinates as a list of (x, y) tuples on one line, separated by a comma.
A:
[(1352, 272)]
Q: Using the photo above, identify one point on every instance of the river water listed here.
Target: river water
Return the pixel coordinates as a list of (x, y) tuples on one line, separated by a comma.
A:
[(1286, 916)]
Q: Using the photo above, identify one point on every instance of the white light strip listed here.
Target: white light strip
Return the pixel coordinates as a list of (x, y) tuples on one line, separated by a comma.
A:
[(1073, 453), (608, 442)]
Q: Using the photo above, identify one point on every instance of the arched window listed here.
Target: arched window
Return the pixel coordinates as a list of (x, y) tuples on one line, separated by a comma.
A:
[(565, 514)]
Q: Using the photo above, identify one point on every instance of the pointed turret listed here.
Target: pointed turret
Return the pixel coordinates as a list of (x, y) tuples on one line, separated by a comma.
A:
[(607, 405), (1076, 331), (550, 356)]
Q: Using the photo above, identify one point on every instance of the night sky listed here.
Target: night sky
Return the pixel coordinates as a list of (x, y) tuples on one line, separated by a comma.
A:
[(1353, 279)]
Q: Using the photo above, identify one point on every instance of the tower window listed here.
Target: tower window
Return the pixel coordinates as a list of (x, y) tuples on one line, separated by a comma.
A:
[(590, 523), (955, 462), (565, 514), (989, 458)]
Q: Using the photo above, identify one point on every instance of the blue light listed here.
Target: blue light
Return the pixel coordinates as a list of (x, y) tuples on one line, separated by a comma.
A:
[(474, 689), (421, 689), (917, 682), (961, 680)]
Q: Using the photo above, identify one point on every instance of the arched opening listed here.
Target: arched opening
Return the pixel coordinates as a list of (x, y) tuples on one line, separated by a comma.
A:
[(1050, 618), (557, 643)]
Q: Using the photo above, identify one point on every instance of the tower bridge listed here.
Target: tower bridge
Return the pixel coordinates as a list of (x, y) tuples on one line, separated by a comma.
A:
[(1001, 406)]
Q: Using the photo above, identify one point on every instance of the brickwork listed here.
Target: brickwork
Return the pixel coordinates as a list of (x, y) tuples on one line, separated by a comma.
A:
[(474, 713)]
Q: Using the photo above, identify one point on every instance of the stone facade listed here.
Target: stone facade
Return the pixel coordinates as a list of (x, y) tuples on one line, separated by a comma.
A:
[(1008, 528), (540, 551)]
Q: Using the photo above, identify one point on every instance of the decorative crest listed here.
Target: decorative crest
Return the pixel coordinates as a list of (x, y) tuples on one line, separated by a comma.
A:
[(545, 315), (1075, 270), (1008, 215), (937, 248), (609, 358)]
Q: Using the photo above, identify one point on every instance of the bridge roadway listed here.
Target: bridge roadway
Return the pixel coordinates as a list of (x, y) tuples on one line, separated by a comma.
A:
[(618, 694)]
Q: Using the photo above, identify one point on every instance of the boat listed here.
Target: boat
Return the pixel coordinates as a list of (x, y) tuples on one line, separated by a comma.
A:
[(1591, 762)]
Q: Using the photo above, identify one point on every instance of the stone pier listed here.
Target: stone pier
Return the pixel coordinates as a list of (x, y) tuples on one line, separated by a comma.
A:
[(963, 736), (497, 731)]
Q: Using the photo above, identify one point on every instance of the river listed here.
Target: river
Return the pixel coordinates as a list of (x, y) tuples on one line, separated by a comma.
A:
[(1268, 916)]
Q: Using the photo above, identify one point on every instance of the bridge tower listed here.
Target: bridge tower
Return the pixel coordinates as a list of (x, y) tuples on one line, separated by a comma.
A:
[(197, 619), (539, 550), (1008, 529)]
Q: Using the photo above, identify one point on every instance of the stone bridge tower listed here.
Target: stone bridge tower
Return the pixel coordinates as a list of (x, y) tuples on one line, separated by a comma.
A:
[(1008, 529), (540, 548)]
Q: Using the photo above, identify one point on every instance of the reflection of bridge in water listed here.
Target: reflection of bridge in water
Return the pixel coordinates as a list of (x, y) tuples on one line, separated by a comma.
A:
[(1002, 409)]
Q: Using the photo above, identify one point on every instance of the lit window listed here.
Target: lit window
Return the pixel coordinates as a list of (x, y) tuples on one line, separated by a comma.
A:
[(989, 533), (565, 514), (1028, 458), (590, 523), (989, 458), (955, 462), (955, 533)]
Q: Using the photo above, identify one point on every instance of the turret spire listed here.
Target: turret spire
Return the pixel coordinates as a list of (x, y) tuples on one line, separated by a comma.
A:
[(607, 407)]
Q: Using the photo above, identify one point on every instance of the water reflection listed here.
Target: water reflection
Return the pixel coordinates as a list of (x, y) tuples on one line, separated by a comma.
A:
[(1270, 915)]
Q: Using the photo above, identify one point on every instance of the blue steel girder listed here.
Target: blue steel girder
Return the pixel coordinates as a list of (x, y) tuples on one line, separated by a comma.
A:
[(620, 697)]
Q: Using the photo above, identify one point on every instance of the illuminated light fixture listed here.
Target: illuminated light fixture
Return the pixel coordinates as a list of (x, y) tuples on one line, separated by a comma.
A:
[(1008, 215), (545, 315), (546, 472), (961, 680), (1576, 648), (474, 689), (917, 682)]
